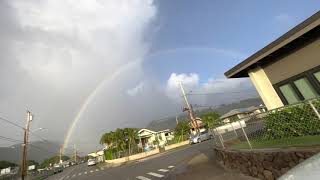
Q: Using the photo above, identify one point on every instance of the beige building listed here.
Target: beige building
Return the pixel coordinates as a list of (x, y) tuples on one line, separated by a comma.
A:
[(241, 113), (287, 70)]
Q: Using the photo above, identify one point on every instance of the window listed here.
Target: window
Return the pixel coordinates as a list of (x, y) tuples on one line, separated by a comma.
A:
[(289, 93), (305, 88), (317, 75)]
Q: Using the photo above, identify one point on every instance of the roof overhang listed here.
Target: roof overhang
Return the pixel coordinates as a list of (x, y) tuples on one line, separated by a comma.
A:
[(302, 34)]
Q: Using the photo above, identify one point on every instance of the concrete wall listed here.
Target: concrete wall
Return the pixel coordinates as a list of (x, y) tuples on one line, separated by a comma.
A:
[(145, 154), (133, 157), (297, 62), (265, 89), (263, 164)]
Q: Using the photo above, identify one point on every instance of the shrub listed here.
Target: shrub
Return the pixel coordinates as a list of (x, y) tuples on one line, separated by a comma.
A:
[(293, 121)]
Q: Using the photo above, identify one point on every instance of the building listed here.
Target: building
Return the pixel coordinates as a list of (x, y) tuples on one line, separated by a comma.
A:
[(98, 155), (287, 70), (241, 113), (149, 139), (201, 125)]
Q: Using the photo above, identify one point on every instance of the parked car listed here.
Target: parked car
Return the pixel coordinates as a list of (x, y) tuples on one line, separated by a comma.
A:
[(91, 162), (203, 136), (57, 168)]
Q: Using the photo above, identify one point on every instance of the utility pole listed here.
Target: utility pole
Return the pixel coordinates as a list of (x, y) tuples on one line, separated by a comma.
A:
[(75, 153), (25, 146), (60, 155), (190, 110)]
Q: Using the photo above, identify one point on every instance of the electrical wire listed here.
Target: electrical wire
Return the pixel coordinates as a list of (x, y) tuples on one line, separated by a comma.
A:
[(234, 92)]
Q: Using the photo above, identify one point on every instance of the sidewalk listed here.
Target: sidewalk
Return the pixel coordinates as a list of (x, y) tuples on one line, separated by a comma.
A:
[(204, 167)]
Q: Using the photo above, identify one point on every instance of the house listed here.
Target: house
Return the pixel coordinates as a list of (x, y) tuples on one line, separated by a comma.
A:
[(202, 126), (98, 155), (241, 113), (287, 70), (152, 139)]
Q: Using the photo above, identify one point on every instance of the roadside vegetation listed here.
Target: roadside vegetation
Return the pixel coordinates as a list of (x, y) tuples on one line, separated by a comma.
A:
[(295, 125), (121, 142)]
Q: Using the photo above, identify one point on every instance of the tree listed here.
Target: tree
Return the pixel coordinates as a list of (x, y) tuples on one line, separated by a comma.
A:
[(211, 119), (120, 140), (182, 128), (32, 162), (6, 164)]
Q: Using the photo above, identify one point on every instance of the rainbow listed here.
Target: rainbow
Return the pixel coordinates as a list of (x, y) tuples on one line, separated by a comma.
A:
[(91, 97)]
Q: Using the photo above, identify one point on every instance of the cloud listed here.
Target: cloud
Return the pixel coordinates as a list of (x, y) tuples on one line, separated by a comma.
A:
[(137, 89), (55, 53), (212, 91), (189, 81)]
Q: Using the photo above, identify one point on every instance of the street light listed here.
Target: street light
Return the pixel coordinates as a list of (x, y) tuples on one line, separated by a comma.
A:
[(40, 129)]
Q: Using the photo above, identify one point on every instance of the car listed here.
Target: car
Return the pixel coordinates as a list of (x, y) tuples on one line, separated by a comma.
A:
[(57, 168), (203, 136), (91, 162)]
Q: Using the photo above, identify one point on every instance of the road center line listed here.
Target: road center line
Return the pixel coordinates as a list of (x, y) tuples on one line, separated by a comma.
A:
[(97, 169), (163, 170), (91, 171), (155, 174), (85, 172), (170, 167), (142, 178), (79, 174)]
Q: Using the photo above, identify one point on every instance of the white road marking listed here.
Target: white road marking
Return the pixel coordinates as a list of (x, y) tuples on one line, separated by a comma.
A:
[(97, 169), (79, 174), (91, 171), (102, 169), (74, 175), (163, 170), (142, 178), (170, 167), (85, 172), (155, 174)]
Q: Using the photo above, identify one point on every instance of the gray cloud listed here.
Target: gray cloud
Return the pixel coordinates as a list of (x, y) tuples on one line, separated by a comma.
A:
[(55, 53)]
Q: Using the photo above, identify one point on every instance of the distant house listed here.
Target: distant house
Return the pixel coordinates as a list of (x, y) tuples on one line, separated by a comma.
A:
[(241, 113), (98, 155), (287, 70), (152, 139), (201, 125)]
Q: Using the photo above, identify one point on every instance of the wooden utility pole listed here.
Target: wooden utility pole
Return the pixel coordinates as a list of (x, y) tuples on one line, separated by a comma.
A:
[(25, 146), (60, 154), (190, 110), (75, 153)]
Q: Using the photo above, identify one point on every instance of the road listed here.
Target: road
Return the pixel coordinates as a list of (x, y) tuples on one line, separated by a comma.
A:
[(175, 164)]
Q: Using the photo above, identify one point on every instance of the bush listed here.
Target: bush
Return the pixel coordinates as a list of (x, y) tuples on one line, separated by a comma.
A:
[(294, 121)]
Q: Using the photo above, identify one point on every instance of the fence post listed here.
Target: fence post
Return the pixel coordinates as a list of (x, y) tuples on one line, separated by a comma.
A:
[(314, 109), (245, 135), (234, 130), (220, 138)]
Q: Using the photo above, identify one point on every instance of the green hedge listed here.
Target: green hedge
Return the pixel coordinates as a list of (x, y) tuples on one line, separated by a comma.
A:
[(294, 121)]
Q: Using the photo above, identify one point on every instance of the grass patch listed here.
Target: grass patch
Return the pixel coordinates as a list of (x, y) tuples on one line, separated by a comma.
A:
[(280, 143)]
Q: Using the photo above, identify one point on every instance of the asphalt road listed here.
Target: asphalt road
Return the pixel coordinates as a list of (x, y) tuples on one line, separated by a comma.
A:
[(168, 165)]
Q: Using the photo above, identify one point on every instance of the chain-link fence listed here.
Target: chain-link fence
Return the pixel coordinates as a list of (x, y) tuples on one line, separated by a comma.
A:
[(292, 125)]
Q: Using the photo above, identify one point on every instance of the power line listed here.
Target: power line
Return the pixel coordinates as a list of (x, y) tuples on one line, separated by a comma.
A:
[(12, 123), (21, 127), (234, 92)]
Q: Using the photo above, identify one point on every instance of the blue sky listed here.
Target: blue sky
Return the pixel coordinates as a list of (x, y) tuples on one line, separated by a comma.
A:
[(209, 37)]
